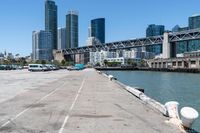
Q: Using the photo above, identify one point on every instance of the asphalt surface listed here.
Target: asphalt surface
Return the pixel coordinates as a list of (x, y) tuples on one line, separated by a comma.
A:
[(72, 102)]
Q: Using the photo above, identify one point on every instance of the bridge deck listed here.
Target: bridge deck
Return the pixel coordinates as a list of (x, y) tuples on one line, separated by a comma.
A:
[(74, 102)]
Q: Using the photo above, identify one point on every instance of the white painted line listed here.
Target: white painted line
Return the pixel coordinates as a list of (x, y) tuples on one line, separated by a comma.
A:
[(71, 108), (27, 109)]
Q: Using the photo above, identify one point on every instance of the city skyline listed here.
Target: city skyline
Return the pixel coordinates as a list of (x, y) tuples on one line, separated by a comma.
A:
[(121, 24)]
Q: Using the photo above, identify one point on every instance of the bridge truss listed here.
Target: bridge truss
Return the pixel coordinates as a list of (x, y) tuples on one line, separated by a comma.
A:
[(133, 43)]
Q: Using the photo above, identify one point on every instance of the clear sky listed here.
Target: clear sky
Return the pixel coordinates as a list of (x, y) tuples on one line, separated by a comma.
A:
[(125, 19)]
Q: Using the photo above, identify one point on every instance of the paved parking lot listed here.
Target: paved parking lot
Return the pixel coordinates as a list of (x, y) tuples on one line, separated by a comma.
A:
[(72, 102), (15, 82)]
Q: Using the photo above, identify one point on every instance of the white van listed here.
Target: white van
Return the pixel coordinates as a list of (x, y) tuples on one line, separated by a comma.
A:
[(35, 67)]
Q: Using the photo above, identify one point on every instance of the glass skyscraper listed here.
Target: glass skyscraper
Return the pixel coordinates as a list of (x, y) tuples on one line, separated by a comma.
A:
[(98, 29), (42, 45), (189, 45), (194, 22), (72, 29), (51, 20), (155, 30), (61, 38), (177, 28)]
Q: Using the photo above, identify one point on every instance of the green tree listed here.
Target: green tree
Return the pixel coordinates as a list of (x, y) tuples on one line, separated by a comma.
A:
[(105, 62), (38, 62), (114, 64), (129, 62), (43, 62), (142, 63), (97, 64), (55, 62), (63, 62), (7, 62), (22, 61)]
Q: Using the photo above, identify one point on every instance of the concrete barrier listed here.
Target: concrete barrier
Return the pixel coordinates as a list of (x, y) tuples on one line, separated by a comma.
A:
[(105, 75), (137, 93), (155, 104)]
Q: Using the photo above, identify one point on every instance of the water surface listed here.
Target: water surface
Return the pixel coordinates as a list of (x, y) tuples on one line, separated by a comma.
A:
[(165, 86)]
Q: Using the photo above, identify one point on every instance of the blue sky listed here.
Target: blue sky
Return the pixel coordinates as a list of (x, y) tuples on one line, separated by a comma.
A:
[(125, 19)]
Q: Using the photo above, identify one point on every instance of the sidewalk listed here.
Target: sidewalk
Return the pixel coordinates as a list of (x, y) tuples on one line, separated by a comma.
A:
[(104, 107), (76, 102)]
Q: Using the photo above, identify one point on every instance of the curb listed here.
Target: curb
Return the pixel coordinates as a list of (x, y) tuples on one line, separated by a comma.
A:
[(140, 95)]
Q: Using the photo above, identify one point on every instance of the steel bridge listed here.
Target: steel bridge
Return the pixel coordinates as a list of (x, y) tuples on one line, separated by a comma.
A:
[(134, 43)]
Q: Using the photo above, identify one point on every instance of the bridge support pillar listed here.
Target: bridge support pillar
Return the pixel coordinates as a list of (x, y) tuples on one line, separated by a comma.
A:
[(166, 46)]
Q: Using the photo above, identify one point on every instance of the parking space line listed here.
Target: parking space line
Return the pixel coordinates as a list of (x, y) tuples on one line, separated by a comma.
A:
[(71, 108), (27, 109)]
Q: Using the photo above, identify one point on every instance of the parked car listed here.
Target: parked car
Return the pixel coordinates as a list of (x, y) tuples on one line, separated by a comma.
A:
[(55, 67), (45, 68), (2, 67), (10, 67), (71, 68), (16, 67), (52, 67), (79, 66), (76, 67), (49, 67), (35, 67)]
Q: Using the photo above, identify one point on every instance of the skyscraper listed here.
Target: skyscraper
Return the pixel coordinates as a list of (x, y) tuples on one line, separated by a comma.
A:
[(51, 20), (42, 45), (194, 22), (155, 30), (98, 29), (72, 29), (61, 38), (177, 28)]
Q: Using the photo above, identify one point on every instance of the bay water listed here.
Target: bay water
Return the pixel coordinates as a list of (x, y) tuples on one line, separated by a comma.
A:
[(165, 86)]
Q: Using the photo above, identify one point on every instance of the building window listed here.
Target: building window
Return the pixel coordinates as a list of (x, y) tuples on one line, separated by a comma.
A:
[(193, 62), (173, 63), (160, 64), (179, 63)]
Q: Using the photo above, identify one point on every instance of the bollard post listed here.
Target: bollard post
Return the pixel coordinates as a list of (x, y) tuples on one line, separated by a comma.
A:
[(110, 77), (188, 116), (172, 109)]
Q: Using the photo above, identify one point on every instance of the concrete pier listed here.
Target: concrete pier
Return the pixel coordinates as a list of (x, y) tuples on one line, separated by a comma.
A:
[(73, 102)]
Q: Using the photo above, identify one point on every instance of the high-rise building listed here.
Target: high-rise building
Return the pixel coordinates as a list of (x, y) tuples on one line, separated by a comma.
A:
[(42, 45), (98, 29), (51, 20), (72, 29), (89, 32), (92, 40), (177, 28), (61, 38), (155, 30), (194, 22)]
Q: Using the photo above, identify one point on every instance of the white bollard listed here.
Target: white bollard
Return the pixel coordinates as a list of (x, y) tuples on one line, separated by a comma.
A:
[(110, 77), (172, 109), (188, 116)]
